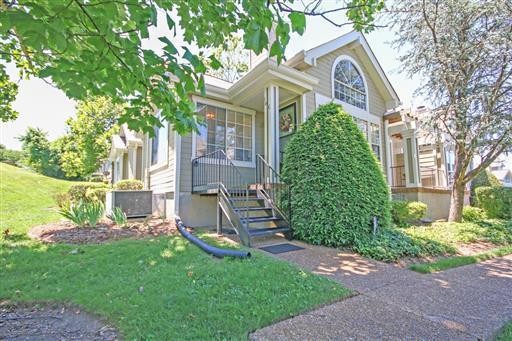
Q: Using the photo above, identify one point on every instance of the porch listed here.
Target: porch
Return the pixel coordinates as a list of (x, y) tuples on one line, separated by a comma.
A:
[(420, 167)]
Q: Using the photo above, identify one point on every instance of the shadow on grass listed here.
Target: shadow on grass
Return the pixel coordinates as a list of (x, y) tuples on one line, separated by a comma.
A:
[(163, 287)]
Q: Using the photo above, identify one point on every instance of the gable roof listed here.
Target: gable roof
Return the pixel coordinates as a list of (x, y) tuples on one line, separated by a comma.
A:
[(309, 57)]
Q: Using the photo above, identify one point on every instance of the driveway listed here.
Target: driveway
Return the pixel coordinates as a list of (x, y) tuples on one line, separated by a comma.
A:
[(465, 303)]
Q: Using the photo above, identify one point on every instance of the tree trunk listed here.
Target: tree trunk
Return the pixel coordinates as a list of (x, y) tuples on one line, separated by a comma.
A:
[(456, 202)]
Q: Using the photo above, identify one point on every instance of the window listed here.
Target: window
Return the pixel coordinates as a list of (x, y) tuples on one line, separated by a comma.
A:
[(348, 84), (159, 144), (225, 129), (371, 132), (375, 139)]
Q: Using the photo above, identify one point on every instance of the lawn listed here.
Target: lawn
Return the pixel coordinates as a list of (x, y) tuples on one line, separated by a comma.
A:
[(453, 262), (26, 198), (160, 288)]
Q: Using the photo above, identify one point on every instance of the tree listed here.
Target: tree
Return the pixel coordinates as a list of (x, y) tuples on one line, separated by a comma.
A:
[(95, 47), (463, 50), (88, 140), (7, 96), (337, 184), (233, 57), (41, 156)]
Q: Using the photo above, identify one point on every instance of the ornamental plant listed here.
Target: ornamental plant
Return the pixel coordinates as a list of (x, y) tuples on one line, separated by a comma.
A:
[(128, 185), (337, 185)]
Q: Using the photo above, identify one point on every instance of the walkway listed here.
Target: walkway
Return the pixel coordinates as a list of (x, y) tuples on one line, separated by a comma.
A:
[(465, 303)]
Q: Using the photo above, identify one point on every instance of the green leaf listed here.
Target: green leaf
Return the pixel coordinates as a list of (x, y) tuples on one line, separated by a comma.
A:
[(169, 46), (214, 63), (298, 21)]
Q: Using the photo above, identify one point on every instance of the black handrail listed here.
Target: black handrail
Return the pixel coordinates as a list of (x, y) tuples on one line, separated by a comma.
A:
[(276, 191), (216, 171)]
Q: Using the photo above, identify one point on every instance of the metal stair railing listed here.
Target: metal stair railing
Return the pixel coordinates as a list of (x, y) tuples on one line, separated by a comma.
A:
[(276, 192), (216, 171)]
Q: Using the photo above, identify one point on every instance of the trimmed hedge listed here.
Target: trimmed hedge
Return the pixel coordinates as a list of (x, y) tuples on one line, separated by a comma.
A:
[(336, 182), (405, 213), (495, 201), (484, 179), (128, 185)]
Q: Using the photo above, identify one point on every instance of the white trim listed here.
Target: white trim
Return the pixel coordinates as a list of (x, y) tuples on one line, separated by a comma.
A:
[(387, 143), (227, 106), (354, 112), (356, 65), (304, 108), (311, 55), (177, 171)]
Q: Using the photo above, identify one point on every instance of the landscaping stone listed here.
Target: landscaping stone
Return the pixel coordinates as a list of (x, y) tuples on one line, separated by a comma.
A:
[(51, 322)]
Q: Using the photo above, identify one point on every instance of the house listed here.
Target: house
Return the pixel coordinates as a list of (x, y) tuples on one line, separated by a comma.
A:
[(421, 165), (501, 170), (230, 168), (126, 155)]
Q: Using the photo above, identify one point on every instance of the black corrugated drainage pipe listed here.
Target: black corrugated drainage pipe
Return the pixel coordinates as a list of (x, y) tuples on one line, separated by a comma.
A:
[(212, 250)]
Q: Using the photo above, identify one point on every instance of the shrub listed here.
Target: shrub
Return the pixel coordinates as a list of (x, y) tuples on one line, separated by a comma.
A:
[(407, 212), (336, 182), (96, 194), (118, 216), (495, 201), (12, 157), (62, 200), (484, 179), (392, 244), (84, 213), (472, 214), (128, 185), (78, 192)]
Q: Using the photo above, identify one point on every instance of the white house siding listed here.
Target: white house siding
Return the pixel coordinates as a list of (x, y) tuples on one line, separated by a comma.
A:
[(323, 71)]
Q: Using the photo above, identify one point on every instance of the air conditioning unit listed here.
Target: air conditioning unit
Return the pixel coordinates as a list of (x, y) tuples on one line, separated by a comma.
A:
[(135, 204)]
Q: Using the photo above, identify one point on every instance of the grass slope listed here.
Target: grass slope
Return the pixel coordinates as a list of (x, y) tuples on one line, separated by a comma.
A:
[(26, 198), (161, 288), (457, 261)]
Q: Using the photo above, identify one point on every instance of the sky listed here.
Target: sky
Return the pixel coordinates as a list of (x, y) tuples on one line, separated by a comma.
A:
[(41, 105)]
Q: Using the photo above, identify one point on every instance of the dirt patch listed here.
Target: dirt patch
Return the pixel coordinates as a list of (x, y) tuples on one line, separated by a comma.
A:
[(66, 232), (51, 322)]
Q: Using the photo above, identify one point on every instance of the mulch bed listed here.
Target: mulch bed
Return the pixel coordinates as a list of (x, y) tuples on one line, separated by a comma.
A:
[(67, 232), (51, 322)]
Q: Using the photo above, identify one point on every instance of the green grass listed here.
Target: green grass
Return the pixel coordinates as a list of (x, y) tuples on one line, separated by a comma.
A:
[(435, 240), (505, 334), (159, 288), (26, 198), (453, 262)]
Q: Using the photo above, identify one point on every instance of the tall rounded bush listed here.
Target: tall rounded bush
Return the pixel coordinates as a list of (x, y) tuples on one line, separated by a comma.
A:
[(484, 179), (336, 182)]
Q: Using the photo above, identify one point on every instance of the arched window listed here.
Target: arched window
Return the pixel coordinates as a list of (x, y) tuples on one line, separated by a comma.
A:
[(348, 84)]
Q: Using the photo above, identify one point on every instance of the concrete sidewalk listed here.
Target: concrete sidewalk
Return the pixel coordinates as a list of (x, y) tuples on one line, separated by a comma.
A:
[(465, 303)]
